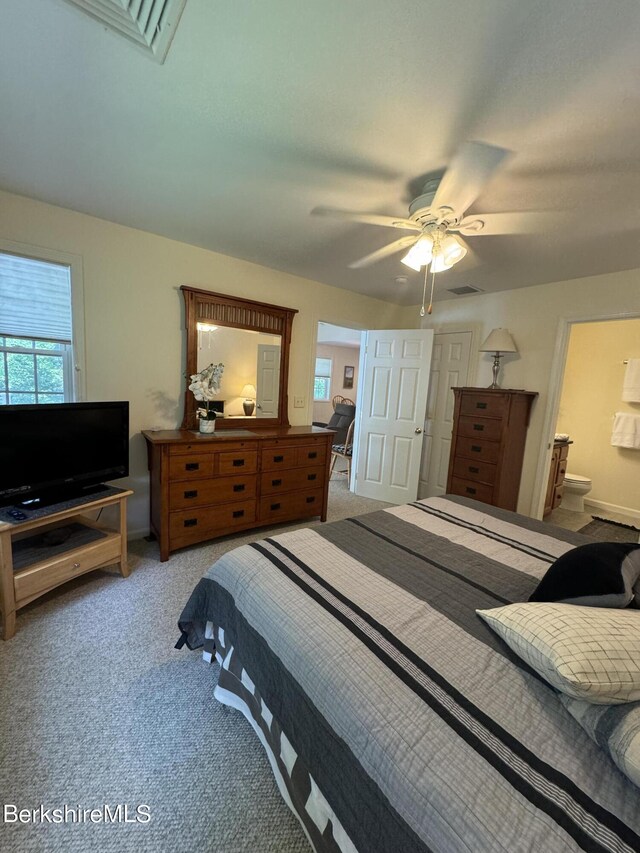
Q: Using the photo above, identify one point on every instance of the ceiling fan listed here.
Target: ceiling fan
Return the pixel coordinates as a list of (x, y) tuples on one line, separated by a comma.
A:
[(437, 217)]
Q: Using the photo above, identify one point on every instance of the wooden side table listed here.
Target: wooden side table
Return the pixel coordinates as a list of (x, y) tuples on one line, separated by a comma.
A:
[(29, 568)]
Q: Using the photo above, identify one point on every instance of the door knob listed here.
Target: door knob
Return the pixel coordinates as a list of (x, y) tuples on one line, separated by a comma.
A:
[(417, 430)]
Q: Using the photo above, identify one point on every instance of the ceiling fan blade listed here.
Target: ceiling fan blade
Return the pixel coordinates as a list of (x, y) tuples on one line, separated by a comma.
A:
[(368, 218), (384, 252), (471, 168), (516, 222)]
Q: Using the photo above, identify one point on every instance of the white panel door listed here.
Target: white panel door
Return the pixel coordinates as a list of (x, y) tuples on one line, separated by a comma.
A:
[(267, 381), (449, 369), (393, 399)]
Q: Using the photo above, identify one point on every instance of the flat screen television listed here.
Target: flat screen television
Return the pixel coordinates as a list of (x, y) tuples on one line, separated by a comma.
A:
[(55, 451)]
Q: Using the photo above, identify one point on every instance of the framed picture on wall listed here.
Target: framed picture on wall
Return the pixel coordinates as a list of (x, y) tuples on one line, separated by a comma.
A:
[(347, 382)]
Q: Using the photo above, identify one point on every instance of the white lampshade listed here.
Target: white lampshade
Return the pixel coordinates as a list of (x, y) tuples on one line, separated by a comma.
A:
[(499, 340), (419, 255), (248, 391), (450, 252)]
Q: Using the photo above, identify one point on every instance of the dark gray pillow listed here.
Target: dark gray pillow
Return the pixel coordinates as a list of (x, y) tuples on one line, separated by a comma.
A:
[(600, 574)]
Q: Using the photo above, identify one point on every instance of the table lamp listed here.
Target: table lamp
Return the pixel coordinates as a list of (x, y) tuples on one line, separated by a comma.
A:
[(249, 403), (498, 342)]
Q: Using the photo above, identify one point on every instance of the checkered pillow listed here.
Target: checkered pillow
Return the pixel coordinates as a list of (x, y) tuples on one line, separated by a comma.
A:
[(586, 652), (615, 728)]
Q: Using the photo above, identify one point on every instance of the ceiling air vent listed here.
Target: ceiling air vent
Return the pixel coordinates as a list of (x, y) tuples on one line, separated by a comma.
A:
[(464, 290), (150, 24)]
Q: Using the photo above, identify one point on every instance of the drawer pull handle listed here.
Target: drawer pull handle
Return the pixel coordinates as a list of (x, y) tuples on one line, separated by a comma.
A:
[(478, 427), (563, 470), (192, 493), (312, 455), (473, 469), (470, 489), (311, 476), (275, 506), (476, 448), (481, 405), (276, 482), (310, 499), (239, 487), (238, 513), (76, 565), (190, 522), (238, 463), (192, 466), (278, 458)]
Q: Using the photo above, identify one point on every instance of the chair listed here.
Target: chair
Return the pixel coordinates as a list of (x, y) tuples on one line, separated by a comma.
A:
[(347, 401), (337, 399), (343, 451)]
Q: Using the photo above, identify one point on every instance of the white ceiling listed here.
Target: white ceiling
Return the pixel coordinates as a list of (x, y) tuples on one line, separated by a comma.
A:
[(264, 110)]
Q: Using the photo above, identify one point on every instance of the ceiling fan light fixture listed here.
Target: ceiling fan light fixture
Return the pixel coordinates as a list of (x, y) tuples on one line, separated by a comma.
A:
[(420, 254)]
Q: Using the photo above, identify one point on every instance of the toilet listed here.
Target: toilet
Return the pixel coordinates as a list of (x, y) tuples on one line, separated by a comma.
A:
[(575, 488)]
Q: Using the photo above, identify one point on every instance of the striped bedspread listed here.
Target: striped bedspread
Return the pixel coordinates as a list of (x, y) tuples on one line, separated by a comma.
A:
[(394, 719)]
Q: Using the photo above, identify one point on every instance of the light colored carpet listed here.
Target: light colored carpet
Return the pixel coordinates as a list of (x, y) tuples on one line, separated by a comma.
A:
[(98, 708)]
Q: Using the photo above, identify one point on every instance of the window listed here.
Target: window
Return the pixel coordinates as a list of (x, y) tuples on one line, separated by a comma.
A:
[(322, 380), (36, 353)]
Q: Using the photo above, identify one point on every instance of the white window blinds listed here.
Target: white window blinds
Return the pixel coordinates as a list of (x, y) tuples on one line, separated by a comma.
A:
[(323, 367), (35, 299)]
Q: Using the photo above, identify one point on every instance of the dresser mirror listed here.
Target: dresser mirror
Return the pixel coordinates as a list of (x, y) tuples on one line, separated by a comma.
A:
[(252, 340)]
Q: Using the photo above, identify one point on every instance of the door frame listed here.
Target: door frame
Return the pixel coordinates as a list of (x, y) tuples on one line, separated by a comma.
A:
[(556, 380)]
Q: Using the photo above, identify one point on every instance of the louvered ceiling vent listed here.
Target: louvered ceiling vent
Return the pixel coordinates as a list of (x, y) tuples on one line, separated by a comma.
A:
[(150, 24), (464, 290)]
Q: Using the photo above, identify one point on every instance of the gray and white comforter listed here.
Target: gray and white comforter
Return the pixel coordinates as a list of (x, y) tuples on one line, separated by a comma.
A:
[(394, 719)]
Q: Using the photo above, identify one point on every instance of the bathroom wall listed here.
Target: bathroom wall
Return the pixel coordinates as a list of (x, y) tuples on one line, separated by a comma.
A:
[(591, 394)]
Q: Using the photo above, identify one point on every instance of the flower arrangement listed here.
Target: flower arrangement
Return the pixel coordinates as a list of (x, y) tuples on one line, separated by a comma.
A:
[(204, 387)]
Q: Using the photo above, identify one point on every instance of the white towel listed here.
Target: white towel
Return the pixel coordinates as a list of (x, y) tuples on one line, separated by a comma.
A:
[(631, 384), (626, 430)]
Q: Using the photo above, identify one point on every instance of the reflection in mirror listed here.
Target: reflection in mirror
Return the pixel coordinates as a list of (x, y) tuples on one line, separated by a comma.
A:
[(251, 378)]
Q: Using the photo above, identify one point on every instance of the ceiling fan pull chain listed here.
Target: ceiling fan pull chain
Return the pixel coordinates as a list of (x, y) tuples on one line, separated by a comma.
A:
[(433, 278), (424, 291)]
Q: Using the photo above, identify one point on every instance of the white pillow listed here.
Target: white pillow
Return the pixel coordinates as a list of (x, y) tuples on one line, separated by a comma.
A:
[(589, 653)]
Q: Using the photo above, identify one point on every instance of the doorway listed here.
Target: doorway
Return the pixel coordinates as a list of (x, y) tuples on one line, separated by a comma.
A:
[(335, 388), (599, 478)]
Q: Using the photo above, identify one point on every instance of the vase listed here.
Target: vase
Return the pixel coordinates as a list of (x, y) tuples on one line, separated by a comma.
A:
[(206, 425)]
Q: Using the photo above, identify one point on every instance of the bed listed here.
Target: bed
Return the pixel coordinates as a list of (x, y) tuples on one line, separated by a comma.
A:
[(394, 719)]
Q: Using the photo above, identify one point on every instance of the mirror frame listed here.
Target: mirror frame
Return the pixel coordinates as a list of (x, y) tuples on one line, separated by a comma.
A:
[(204, 306)]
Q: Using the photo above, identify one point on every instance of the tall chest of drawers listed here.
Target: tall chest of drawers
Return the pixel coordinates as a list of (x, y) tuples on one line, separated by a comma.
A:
[(487, 444), (206, 486)]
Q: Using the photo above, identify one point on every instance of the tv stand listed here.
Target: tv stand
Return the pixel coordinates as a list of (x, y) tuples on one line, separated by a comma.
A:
[(32, 564)]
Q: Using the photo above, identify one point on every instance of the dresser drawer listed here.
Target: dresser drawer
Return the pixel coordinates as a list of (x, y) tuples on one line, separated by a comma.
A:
[(211, 445), (563, 451), (311, 454), (471, 489), (191, 467), (245, 461), (192, 525), (486, 405), (274, 482), (487, 428), (275, 458), (471, 469), (478, 449), (291, 505), (212, 492)]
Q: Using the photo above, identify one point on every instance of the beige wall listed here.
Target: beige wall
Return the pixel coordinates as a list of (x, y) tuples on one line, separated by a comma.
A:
[(340, 356), (591, 394), (534, 315), (134, 315)]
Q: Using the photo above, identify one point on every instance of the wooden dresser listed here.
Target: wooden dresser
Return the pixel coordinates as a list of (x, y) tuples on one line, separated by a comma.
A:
[(487, 444), (205, 486), (557, 471)]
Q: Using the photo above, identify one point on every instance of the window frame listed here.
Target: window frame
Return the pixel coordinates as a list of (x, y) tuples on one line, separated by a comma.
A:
[(76, 365), (328, 376)]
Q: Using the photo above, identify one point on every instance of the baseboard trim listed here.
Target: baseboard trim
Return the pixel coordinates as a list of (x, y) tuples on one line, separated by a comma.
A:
[(623, 510)]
